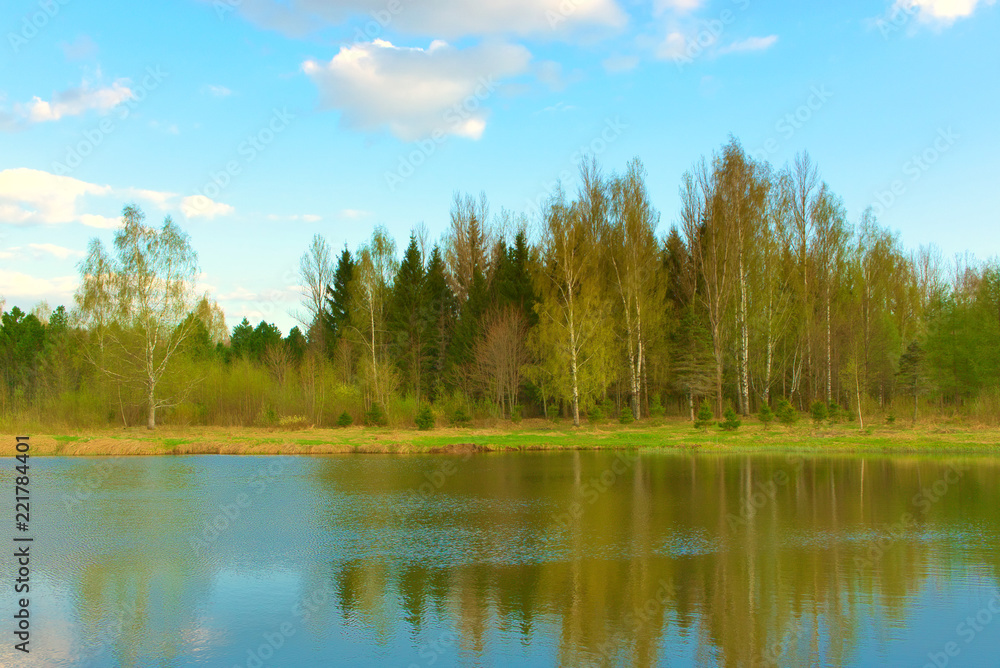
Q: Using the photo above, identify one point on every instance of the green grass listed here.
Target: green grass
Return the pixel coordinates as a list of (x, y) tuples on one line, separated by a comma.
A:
[(671, 434)]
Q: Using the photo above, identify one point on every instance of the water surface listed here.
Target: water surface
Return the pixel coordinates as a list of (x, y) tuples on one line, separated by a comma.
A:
[(568, 559)]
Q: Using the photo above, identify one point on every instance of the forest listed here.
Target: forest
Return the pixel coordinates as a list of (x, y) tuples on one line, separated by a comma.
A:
[(761, 294)]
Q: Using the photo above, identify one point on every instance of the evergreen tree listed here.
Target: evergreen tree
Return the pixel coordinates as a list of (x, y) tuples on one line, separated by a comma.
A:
[(338, 298), (439, 323), (406, 319)]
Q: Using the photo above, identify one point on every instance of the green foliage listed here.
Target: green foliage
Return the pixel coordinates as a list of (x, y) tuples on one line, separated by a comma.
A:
[(818, 412), (705, 415), (834, 412), (890, 419), (425, 418), (345, 420), (786, 413), (730, 422), (765, 415), (375, 416), (516, 414), (596, 415), (460, 418), (656, 408), (626, 416)]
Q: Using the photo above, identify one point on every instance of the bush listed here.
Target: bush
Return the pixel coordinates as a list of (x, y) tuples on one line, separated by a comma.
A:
[(731, 422), (626, 416), (818, 411), (516, 414), (268, 418), (835, 412), (460, 418), (890, 419), (293, 422), (375, 417), (786, 413), (425, 418), (705, 415), (656, 408), (765, 415), (345, 420), (595, 415)]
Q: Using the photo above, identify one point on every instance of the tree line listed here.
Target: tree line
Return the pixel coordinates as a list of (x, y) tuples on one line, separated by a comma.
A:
[(762, 290)]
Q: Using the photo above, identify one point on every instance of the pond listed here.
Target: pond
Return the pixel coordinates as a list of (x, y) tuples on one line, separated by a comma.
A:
[(534, 559)]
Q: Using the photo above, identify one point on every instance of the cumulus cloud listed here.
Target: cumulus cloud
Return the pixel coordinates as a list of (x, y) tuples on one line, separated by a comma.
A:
[(16, 285), (416, 92), (199, 206), (945, 11), (36, 197), (443, 18), (59, 252)]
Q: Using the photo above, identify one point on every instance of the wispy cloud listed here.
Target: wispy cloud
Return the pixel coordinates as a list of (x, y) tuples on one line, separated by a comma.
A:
[(749, 44)]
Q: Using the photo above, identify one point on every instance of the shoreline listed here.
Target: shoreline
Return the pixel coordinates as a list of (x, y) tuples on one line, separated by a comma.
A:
[(673, 436)]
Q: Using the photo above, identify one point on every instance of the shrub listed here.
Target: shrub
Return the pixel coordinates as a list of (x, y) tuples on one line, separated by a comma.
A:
[(656, 408), (705, 415), (786, 413), (818, 412), (460, 418), (595, 415), (835, 412), (425, 418), (293, 422), (626, 416), (516, 414), (765, 415), (268, 418), (345, 420), (375, 417), (731, 422), (890, 419)]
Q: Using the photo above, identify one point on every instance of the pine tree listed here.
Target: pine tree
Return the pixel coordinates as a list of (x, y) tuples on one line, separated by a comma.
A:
[(406, 318), (338, 304), (439, 323)]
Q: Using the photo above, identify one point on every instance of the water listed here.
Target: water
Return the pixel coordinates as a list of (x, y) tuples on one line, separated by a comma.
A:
[(570, 559)]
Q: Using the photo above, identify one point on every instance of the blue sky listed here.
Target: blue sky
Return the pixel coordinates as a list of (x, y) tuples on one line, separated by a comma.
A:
[(257, 124)]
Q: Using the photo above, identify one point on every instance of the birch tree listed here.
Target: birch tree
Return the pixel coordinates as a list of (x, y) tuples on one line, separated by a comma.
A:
[(136, 301)]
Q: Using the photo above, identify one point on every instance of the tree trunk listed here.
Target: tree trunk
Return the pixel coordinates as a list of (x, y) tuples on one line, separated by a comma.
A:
[(151, 418)]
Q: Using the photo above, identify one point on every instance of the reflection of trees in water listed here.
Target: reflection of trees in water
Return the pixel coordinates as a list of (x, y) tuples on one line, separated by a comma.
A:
[(136, 600), (761, 557)]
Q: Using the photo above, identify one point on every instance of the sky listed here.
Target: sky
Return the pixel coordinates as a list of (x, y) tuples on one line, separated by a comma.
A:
[(256, 124)]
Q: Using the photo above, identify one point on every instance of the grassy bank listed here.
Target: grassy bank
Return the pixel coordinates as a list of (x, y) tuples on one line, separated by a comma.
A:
[(529, 435)]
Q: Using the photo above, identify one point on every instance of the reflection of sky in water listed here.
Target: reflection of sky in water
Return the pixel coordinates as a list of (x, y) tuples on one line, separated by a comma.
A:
[(335, 561)]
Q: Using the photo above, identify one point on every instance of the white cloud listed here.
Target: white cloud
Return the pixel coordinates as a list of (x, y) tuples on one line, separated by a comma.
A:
[(619, 63), (306, 217), (81, 48), (680, 6), (18, 286), (35, 197), (416, 92), (218, 91), (354, 214), (30, 196), (442, 18), (199, 206), (944, 11), (56, 251), (750, 44), (76, 101)]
